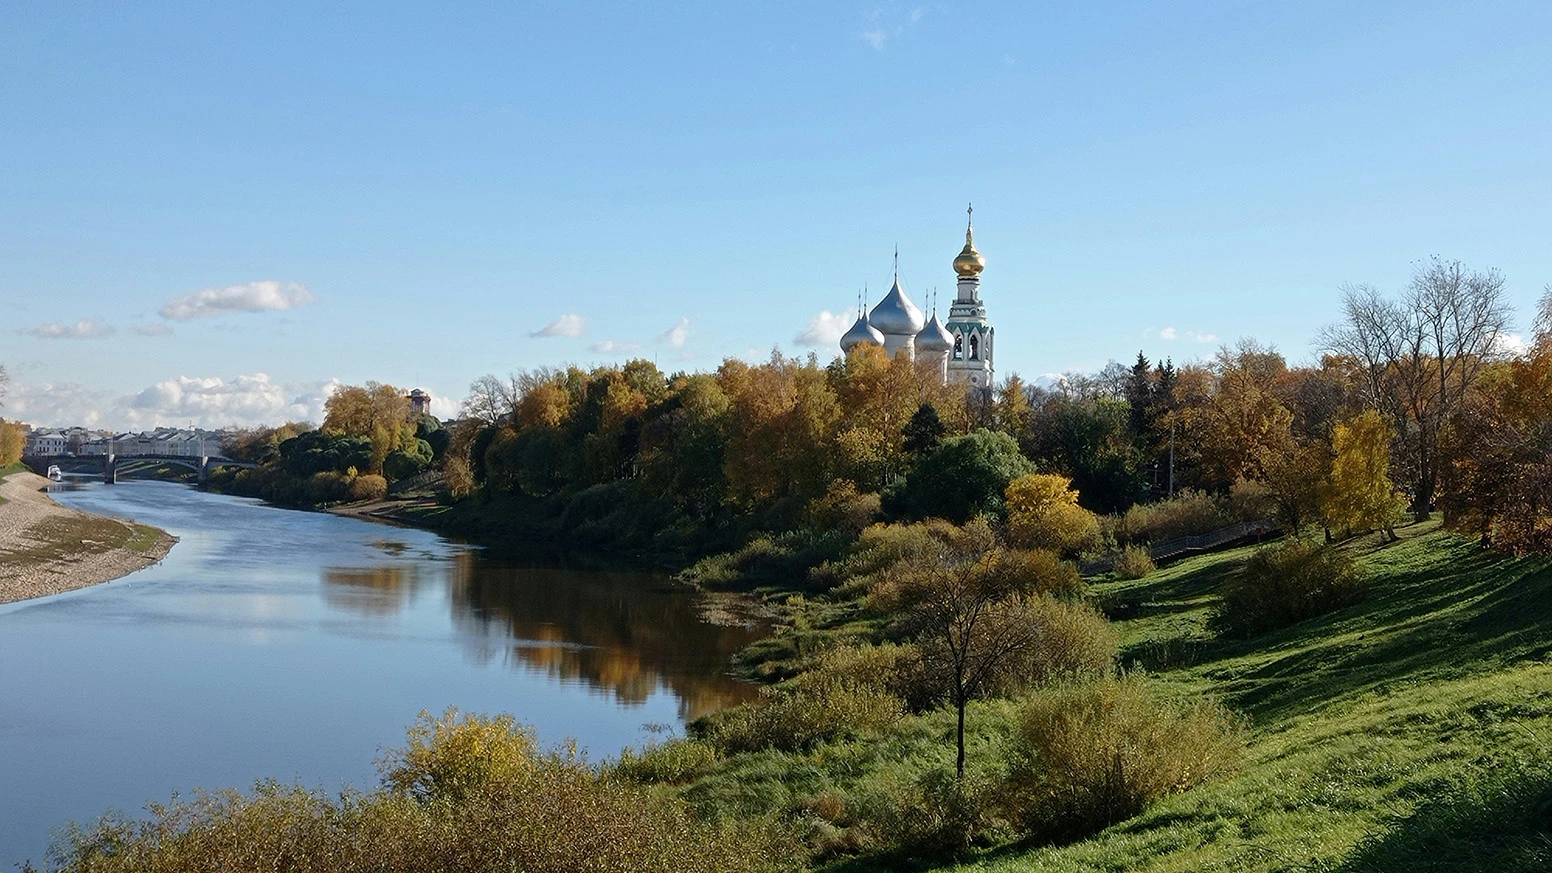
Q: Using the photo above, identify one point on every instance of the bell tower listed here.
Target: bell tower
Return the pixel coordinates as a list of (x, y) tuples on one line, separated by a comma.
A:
[(970, 361)]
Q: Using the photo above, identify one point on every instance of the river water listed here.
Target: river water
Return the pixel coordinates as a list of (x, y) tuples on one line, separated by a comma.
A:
[(297, 645)]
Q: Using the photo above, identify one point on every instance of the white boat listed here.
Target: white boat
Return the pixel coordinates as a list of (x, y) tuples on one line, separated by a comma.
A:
[(55, 473)]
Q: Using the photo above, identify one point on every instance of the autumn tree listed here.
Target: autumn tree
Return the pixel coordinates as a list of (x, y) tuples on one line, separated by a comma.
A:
[(1232, 421), (12, 442), (378, 412), (1043, 513), (783, 417), (1497, 482), (1358, 494), (1420, 355)]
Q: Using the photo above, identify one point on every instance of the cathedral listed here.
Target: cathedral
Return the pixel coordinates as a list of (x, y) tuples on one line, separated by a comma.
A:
[(961, 349)]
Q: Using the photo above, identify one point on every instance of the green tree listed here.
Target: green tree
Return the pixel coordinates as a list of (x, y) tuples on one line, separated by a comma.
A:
[(924, 431), (963, 477)]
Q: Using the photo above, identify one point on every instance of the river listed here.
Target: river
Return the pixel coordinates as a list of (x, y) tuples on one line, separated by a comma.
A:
[(297, 645)]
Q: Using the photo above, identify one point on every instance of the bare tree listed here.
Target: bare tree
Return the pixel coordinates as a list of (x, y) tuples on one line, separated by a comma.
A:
[(980, 624), (491, 399), (1419, 355)]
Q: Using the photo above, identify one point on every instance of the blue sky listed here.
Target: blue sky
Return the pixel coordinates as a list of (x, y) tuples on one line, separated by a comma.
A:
[(425, 188)]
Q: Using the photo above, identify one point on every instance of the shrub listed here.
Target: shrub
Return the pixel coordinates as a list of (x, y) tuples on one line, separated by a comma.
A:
[(369, 487), (673, 762), (1285, 583), (328, 487), (467, 793), (1187, 514), (930, 815), (1039, 571), (1085, 756), (786, 558), (880, 547), (403, 463), (791, 720), (1071, 639), (1134, 563), (449, 756), (843, 508)]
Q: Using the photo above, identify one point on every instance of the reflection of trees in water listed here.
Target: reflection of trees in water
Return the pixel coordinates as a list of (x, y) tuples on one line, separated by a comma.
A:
[(621, 631), (379, 590)]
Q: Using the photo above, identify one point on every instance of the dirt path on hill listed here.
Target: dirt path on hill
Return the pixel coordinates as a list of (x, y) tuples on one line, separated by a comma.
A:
[(46, 548)]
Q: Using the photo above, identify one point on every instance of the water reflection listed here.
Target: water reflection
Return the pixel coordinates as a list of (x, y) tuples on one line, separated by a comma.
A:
[(625, 633), (620, 631), (379, 590)]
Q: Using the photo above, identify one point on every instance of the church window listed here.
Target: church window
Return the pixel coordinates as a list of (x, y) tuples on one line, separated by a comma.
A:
[(959, 351), (975, 347)]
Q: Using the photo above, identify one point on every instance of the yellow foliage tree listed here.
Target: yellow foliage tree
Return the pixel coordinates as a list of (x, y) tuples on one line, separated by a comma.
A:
[(1043, 513), (12, 442), (1358, 494), (377, 411)]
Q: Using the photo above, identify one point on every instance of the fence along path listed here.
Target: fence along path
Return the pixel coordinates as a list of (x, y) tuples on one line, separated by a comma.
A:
[(1181, 546)]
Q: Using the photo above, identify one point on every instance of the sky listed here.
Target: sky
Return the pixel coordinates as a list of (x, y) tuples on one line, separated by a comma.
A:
[(215, 213)]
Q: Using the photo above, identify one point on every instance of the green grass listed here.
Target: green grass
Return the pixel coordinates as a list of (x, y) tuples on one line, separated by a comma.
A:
[(1412, 731)]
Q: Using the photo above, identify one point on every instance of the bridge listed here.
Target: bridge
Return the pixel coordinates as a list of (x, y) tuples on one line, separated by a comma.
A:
[(111, 466)]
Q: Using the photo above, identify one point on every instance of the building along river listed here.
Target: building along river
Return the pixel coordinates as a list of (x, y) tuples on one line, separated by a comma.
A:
[(296, 645)]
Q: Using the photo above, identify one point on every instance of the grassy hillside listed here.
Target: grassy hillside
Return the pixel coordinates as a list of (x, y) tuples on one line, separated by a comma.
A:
[(1410, 732)]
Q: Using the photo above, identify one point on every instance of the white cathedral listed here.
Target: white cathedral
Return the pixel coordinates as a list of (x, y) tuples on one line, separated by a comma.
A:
[(961, 349)]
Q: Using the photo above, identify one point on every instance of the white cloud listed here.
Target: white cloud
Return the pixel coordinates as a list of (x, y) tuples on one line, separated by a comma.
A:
[(1511, 344), (1196, 336), (209, 401), (826, 328), (152, 329), (569, 324), (884, 23), (86, 328), (265, 296), (676, 335), (609, 346)]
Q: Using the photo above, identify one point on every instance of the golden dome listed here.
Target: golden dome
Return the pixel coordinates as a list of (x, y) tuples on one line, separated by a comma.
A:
[(969, 263)]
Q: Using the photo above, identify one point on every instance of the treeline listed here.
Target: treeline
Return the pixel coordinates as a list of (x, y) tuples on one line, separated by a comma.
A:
[(1417, 403)]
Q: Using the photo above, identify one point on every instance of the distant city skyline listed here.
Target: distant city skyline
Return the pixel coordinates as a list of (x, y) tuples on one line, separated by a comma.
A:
[(216, 215)]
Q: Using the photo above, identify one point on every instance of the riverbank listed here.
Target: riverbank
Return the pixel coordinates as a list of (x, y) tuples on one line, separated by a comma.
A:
[(46, 548)]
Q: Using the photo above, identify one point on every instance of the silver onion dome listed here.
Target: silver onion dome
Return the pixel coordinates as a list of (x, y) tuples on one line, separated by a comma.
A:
[(860, 333), (896, 314), (934, 338)]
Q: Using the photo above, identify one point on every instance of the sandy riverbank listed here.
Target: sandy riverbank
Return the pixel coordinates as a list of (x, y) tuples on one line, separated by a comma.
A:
[(46, 548)]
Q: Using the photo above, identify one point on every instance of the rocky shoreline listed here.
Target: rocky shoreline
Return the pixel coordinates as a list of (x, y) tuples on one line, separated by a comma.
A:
[(46, 548)]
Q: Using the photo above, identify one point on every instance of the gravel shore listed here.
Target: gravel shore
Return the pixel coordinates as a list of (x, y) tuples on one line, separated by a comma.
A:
[(46, 548)]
